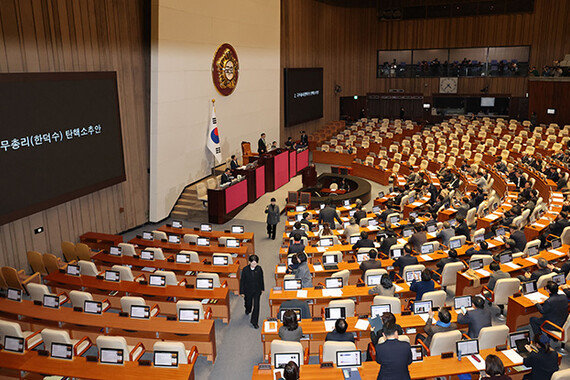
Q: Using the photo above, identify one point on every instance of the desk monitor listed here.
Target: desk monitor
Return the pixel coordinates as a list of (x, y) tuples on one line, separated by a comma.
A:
[(555, 244), (395, 219), (372, 222), (188, 315), (529, 287), (373, 280), (92, 307), (427, 248), (322, 206), (206, 227), (500, 231), (140, 311), (412, 275), (452, 222), (165, 359), (476, 264), (147, 255), (61, 351), (351, 213), (431, 228), (204, 283), (346, 202), (467, 347), (182, 258), (413, 214), (559, 279), (532, 250), (333, 282), (112, 275), (297, 313), (300, 208), (348, 359), (14, 294), (203, 241), (330, 259), (376, 210), (354, 238), (360, 257), (478, 238), (326, 242), (506, 258), (280, 360), (411, 199), (454, 243), (146, 235), (380, 194), (115, 251), (523, 336), (73, 270), (237, 229), (232, 243), (156, 280), (334, 313), (395, 252), (422, 307), (292, 284), (299, 217), (174, 239), (14, 344), (417, 353), (462, 301), (51, 301), (111, 356), (407, 232), (379, 310), (176, 224), (220, 260)]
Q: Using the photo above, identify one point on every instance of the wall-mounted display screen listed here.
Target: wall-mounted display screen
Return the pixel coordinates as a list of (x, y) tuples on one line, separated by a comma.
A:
[(303, 95)]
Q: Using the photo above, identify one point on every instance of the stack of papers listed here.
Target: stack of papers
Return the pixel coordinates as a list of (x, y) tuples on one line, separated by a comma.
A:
[(536, 297), (340, 232), (281, 269), (302, 294), (492, 216), (426, 257), (417, 204), (329, 325), (317, 267), (513, 265), (532, 260), (373, 228), (205, 301), (398, 287), (483, 272), (332, 293), (270, 326), (556, 252), (425, 317), (362, 324), (321, 249), (513, 356), (402, 241), (479, 365)]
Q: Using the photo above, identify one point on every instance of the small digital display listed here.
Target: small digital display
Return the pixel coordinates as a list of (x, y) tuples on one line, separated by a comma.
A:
[(330, 259), (334, 313), (73, 270), (354, 238), (236, 229), (396, 252), (468, 347), (189, 315), (156, 280), (454, 243), (360, 257), (422, 307), (14, 294), (280, 360), (205, 227), (115, 251), (174, 239), (140, 311), (147, 255), (92, 307), (219, 260), (407, 232), (463, 301), (300, 208), (111, 356), (373, 280), (176, 224), (14, 344), (61, 351), (51, 301), (348, 359), (378, 310), (529, 287), (112, 275), (333, 282), (395, 219), (147, 235), (165, 359), (427, 248), (532, 250), (476, 264), (417, 353), (202, 241), (291, 284), (297, 313), (182, 258), (505, 258), (232, 243), (326, 242)]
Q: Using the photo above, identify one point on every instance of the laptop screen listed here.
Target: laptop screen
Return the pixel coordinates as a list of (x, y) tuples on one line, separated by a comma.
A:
[(51, 301), (334, 313), (476, 264), (346, 202), (188, 315), (417, 353), (147, 235), (333, 282), (478, 238), (202, 241), (500, 232), (330, 259), (237, 229), (165, 359), (281, 359), (140, 311), (454, 243), (174, 239), (360, 257), (378, 310), (205, 227), (556, 243), (354, 239), (348, 359), (376, 209), (13, 344), (372, 222), (73, 270), (523, 335), (532, 250), (219, 260), (427, 248), (373, 280), (452, 222), (468, 347), (14, 294), (156, 280), (147, 255), (464, 301), (297, 313), (529, 287), (112, 275), (232, 243), (431, 228), (176, 224), (559, 278), (182, 258), (204, 283), (506, 258), (396, 252), (421, 307), (115, 251), (413, 275), (92, 307), (395, 219), (291, 284), (61, 351), (300, 208), (326, 242), (352, 212), (111, 356), (381, 194), (407, 232)]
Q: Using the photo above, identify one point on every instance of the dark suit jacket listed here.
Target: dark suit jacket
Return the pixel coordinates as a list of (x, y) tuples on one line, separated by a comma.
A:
[(301, 233), (476, 319), (261, 147), (446, 260), (363, 243), (328, 215), (251, 282), (225, 178), (539, 272), (558, 226), (296, 248), (417, 239), (308, 223), (421, 287), (359, 214), (387, 243), (543, 364), (336, 337), (520, 239), (234, 164), (403, 261), (369, 264), (394, 358), (554, 309), (462, 210), (462, 229)]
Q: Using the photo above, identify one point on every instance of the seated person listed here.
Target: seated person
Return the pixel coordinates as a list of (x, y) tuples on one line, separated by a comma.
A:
[(494, 369), (290, 371), (326, 230), (451, 258), (405, 259), (543, 361), (389, 210), (483, 249), (290, 331), (306, 220), (496, 274), (371, 263), (290, 144), (359, 214), (518, 236), (442, 325), (510, 247), (446, 233), (297, 304), (384, 288), (512, 213), (425, 285), (554, 309), (339, 333), (387, 242), (226, 176), (291, 268), (418, 238), (364, 242), (462, 228), (540, 271), (234, 163), (297, 246), (298, 229), (476, 319), (565, 268), (351, 229), (387, 319)]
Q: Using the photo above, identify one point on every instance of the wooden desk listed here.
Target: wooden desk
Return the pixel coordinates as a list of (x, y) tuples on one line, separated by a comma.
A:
[(430, 367), (165, 297), (230, 273), (98, 241), (209, 234), (225, 203), (80, 368), (78, 324)]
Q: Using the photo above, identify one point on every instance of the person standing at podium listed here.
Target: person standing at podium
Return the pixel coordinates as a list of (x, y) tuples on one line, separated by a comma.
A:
[(234, 162), (272, 211), (261, 145)]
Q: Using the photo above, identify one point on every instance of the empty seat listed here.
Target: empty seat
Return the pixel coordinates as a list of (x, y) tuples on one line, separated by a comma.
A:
[(348, 304), (190, 238), (130, 353), (493, 336), (127, 249), (31, 339), (286, 347), (88, 268), (50, 336)]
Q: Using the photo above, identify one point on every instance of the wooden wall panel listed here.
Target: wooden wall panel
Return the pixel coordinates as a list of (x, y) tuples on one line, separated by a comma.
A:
[(86, 35), (344, 41), (550, 93)]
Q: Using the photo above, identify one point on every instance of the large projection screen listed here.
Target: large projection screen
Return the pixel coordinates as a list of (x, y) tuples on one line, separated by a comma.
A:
[(303, 95), (60, 139)]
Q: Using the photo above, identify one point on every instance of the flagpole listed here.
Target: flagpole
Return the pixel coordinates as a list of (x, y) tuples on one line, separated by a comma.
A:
[(214, 167)]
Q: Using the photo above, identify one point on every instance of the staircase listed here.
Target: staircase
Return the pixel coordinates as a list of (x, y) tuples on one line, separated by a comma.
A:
[(188, 207)]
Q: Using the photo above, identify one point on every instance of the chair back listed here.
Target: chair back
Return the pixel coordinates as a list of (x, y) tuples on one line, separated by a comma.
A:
[(394, 302), (305, 198), (293, 197), (411, 268), (444, 342), (78, 298), (50, 336), (374, 272), (531, 244), (125, 273), (330, 349), (173, 346), (159, 235), (348, 305), (158, 255), (128, 301), (565, 235), (127, 249), (493, 336), (88, 268), (35, 260), (114, 342), (504, 288), (364, 222), (344, 274), (3, 284), (286, 347), (487, 259), (51, 262), (449, 273), (171, 279), (563, 374), (68, 249), (194, 258), (82, 251), (190, 238), (37, 291), (542, 280), (190, 305), (12, 278), (437, 297)]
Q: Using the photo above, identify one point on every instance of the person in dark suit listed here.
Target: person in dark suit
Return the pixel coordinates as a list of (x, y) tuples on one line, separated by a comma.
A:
[(518, 236), (328, 214), (462, 228), (406, 259), (423, 286), (359, 214), (371, 263), (483, 250), (388, 241), (442, 325), (519, 180), (297, 246), (394, 356), (251, 286), (339, 333), (540, 271), (304, 139), (306, 220), (298, 229), (418, 238), (226, 177), (544, 362), (559, 224), (389, 210), (297, 304), (451, 258), (387, 320), (463, 208), (290, 144), (234, 162), (273, 216), (554, 309), (364, 242), (476, 319), (262, 145)]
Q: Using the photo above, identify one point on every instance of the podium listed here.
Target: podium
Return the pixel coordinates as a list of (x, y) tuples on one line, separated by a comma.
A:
[(225, 203), (255, 175), (276, 168)]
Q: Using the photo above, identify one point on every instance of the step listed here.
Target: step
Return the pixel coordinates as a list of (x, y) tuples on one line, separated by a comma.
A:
[(180, 214)]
